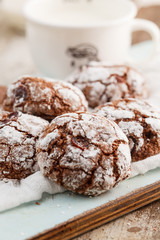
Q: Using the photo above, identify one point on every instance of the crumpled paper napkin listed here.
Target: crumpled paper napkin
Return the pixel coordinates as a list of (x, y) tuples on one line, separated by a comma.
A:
[(13, 193)]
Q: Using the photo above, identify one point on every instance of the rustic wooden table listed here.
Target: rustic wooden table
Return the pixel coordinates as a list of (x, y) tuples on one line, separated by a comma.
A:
[(139, 225), (15, 60)]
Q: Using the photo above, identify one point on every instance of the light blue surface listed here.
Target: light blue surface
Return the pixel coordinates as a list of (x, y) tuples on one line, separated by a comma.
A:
[(29, 219), (141, 51)]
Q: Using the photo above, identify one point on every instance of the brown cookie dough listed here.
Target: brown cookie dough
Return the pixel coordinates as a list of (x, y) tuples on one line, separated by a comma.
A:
[(139, 121), (44, 97), (18, 135), (84, 153), (103, 83)]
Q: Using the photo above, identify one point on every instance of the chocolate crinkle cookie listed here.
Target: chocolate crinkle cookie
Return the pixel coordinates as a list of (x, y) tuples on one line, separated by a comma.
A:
[(84, 153), (139, 121), (103, 83), (46, 98), (18, 135)]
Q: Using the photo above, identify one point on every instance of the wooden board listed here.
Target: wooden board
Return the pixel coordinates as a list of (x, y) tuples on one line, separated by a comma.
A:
[(103, 214)]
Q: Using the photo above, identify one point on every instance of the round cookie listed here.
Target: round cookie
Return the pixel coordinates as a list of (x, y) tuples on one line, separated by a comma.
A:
[(103, 83), (84, 153), (46, 98), (139, 121), (18, 135)]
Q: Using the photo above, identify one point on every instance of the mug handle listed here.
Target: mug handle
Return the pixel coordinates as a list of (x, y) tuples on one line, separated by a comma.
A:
[(150, 27)]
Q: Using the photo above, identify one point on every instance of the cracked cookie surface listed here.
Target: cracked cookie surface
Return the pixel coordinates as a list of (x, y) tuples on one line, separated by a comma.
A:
[(84, 153), (44, 97), (140, 121), (103, 83), (18, 135)]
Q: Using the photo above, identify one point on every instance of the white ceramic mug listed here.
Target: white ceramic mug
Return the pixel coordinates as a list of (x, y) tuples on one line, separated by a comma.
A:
[(64, 34)]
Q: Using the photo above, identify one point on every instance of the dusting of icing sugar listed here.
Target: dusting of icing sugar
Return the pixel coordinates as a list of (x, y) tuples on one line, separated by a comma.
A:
[(136, 79), (91, 152), (84, 147), (90, 134), (119, 133), (76, 128), (43, 144), (38, 93), (57, 104), (140, 143), (133, 127), (44, 97), (93, 72), (102, 82), (58, 84), (98, 89), (35, 125), (11, 135), (69, 96), (102, 179), (139, 120), (76, 181), (80, 159), (64, 119), (154, 122), (106, 163), (142, 106), (18, 135), (123, 148), (114, 114)]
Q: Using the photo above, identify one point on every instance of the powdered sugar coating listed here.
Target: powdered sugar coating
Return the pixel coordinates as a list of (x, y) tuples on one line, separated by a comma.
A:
[(18, 136), (101, 82), (46, 98), (84, 153), (140, 121)]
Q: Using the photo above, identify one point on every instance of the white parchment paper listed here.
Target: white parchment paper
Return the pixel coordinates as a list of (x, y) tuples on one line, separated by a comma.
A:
[(13, 194)]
